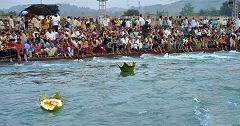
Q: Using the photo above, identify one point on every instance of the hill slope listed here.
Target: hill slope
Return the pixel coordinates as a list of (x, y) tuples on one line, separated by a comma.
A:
[(175, 8), (172, 9)]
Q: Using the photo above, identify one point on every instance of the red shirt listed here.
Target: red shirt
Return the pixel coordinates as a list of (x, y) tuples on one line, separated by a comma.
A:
[(11, 45), (19, 46), (69, 44)]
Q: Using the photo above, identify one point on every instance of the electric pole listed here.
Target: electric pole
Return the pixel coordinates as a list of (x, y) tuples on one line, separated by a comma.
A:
[(128, 4), (139, 6), (102, 7)]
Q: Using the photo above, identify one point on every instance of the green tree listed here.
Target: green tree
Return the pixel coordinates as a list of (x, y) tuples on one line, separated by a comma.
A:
[(201, 12), (187, 10), (160, 13), (209, 12), (148, 13), (131, 12), (225, 9), (13, 13), (213, 12)]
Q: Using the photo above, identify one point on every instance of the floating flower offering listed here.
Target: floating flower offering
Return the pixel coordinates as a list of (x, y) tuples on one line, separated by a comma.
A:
[(127, 67), (51, 104)]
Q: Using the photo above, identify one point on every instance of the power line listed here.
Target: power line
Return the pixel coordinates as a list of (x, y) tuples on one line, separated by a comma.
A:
[(139, 6)]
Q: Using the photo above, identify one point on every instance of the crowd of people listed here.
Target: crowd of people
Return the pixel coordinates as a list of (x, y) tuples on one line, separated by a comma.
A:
[(50, 36)]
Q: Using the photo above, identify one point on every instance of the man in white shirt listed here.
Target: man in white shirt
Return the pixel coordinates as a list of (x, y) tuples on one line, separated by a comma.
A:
[(74, 23), (160, 21), (186, 22), (205, 22), (141, 20), (11, 22), (123, 40), (167, 32), (35, 22), (75, 42), (55, 22), (185, 41), (193, 23), (50, 35), (128, 23), (1, 25), (224, 22), (169, 22), (137, 22), (106, 22), (232, 40), (149, 20)]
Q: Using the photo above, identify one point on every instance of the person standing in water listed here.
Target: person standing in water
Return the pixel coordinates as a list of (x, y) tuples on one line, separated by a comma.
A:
[(19, 48)]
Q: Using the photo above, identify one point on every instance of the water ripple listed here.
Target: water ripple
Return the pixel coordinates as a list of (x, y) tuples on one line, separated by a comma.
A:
[(172, 89)]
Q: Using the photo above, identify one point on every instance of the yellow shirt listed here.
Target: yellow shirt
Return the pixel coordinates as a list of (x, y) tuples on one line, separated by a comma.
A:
[(118, 23), (92, 26), (2, 48)]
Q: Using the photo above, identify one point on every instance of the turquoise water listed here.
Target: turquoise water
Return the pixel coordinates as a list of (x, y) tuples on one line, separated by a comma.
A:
[(192, 89)]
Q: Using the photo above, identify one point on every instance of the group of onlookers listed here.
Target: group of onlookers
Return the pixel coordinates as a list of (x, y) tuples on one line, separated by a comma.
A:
[(78, 36)]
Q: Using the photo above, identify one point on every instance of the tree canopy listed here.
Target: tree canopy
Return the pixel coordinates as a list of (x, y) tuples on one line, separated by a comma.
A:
[(225, 9), (209, 12), (13, 13), (131, 12), (187, 10), (161, 13)]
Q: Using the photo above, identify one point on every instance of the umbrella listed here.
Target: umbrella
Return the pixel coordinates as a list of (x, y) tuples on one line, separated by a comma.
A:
[(42, 9)]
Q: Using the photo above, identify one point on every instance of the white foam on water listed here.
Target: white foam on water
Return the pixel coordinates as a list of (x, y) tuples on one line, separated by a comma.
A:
[(166, 55), (34, 63), (205, 110), (201, 113), (146, 56), (76, 60), (233, 103), (197, 100), (142, 112), (181, 56), (228, 54), (119, 60), (154, 57), (187, 56), (45, 64), (195, 56), (201, 56), (126, 57), (234, 51), (18, 65), (197, 112)]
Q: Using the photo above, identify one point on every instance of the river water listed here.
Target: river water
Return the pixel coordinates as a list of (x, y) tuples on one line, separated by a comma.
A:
[(191, 89)]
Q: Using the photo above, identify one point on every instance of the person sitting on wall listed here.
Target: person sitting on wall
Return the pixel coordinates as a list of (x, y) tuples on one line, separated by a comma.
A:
[(145, 29)]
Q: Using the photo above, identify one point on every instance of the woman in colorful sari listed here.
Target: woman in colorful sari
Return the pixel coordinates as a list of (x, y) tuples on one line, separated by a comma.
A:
[(85, 46), (37, 49), (52, 49), (68, 48), (45, 24), (60, 49)]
